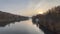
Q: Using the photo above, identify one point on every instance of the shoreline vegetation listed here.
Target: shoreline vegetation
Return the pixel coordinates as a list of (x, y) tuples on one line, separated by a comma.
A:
[(49, 22), (7, 18)]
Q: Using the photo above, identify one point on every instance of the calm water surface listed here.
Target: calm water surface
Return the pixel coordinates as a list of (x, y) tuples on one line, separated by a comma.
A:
[(23, 27)]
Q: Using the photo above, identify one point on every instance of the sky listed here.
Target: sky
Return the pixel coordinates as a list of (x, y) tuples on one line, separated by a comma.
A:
[(27, 7)]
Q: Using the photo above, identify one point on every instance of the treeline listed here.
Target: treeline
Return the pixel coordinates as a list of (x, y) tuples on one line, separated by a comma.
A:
[(7, 18), (50, 21)]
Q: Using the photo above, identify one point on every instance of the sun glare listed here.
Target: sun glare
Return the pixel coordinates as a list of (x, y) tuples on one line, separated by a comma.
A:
[(40, 12)]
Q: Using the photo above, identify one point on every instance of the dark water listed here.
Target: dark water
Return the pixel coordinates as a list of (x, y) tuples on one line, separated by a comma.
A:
[(23, 27)]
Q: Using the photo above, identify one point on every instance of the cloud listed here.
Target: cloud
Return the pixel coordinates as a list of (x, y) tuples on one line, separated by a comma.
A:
[(24, 6), (34, 6)]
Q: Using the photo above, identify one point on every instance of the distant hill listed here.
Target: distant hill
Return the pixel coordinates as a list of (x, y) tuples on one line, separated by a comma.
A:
[(7, 18)]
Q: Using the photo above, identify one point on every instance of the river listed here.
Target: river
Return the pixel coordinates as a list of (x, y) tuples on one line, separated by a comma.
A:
[(22, 27)]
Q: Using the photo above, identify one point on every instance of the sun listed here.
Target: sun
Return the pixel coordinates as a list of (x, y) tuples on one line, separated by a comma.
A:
[(40, 12)]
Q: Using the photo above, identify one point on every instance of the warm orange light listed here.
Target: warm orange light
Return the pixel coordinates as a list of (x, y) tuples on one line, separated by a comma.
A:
[(40, 12)]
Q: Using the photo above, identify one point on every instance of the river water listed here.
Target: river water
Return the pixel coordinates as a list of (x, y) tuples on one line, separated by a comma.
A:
[(22, 27)]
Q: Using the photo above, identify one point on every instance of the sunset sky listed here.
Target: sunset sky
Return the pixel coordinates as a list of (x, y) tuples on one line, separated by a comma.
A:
[(27, 7)]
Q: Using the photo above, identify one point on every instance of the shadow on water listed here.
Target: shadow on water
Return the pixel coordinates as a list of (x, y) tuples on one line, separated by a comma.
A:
[(7, 18), (23, 27), (3, 24)]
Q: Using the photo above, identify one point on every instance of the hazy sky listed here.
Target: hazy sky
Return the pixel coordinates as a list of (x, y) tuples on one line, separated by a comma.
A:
[(27, 7)]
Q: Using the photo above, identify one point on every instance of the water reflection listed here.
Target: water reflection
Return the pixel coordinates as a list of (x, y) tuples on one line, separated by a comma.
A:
[(23, 27)]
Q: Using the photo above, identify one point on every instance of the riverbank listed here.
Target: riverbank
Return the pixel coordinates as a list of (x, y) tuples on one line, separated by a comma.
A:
[(7, 18)]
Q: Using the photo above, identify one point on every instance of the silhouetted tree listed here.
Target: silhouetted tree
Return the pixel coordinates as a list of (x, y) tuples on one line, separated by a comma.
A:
[(50, 22)]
